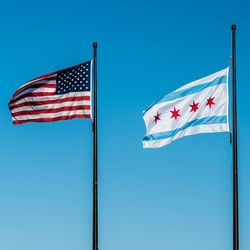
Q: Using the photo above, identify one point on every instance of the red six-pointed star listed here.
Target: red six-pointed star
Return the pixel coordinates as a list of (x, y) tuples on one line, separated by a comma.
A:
[(157, 117), (175, 113), (194, 106), (210, 102)]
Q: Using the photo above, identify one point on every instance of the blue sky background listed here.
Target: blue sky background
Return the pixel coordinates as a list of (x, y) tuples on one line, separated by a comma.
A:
[(178, 197)]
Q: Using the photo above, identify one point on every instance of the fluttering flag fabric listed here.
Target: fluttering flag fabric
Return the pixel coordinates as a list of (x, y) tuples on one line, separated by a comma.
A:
[(61, 95), (197, 107)]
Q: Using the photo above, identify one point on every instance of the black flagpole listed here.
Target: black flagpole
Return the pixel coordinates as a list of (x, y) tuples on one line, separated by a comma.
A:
[(95, 193), (235, 167)]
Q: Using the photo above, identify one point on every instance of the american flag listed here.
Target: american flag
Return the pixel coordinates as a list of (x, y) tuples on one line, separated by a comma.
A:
[(61, 95)]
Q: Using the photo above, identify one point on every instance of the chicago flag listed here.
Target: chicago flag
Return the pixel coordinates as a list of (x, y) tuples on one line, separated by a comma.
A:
[(197, 107)]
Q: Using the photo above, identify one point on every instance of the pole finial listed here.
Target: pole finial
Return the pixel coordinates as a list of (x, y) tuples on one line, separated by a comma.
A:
[(94, 44), (233, 27)]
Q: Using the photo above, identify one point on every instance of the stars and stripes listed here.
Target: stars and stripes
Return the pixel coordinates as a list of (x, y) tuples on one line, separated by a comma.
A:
[(198, 107), (61, 95)]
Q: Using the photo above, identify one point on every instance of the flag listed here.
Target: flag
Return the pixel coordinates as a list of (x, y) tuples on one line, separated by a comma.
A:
[(197, 107), (61, 95)]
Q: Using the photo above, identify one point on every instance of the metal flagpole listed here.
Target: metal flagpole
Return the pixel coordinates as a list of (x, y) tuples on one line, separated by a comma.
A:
[(95, 193), (235, 167)]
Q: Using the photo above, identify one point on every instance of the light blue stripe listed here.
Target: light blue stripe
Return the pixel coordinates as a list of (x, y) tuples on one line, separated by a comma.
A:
[(189, 91), (196, 122)]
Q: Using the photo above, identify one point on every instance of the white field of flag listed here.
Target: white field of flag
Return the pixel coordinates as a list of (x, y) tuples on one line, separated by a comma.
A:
[(197, 107)]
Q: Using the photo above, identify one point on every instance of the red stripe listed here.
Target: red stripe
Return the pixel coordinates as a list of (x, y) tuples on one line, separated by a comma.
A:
[(37, 85), (48, 111), (52, 119), (44, 76), (53, 78), (34, 81), (31, 95), (42, 85), (37, 103)]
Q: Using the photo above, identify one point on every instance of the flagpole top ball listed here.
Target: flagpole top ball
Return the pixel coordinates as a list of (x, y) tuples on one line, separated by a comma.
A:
[(94, 44), (233, 27)]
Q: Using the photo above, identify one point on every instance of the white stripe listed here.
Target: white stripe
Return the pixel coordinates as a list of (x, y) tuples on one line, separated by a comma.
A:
[(47, 98), (38, 81), (167, 123), (41, 78), (35, 90), (44, 81), (52, 115), (19, 91), (211, 128), (206, 79), (51, 106)]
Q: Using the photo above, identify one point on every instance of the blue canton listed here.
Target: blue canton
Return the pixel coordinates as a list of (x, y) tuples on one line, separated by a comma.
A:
[(74, 79)]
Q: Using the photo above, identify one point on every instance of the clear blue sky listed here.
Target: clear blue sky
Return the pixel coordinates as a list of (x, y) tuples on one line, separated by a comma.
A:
[(178, 197)]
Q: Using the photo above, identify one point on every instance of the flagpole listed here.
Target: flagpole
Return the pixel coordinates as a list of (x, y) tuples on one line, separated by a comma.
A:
[(95, 193), (235, 167)]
